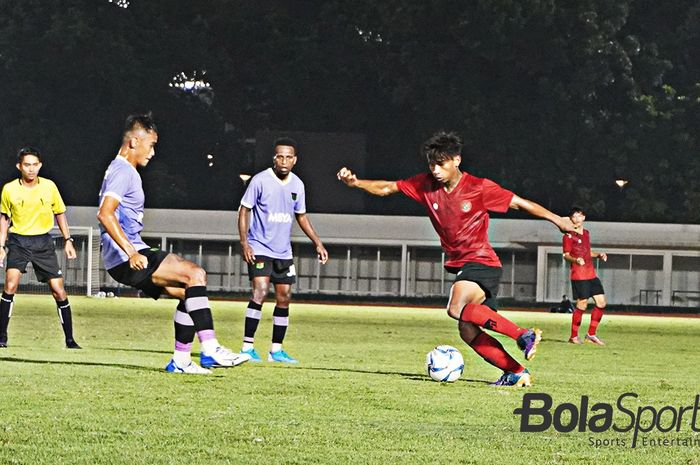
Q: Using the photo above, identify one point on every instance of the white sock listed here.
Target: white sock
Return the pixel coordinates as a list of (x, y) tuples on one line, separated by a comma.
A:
[(247, 346), (182, 359), (209, 346), (275, 347)]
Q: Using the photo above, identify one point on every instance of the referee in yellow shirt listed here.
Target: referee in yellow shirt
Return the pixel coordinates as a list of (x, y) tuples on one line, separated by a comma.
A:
[(28, 206)]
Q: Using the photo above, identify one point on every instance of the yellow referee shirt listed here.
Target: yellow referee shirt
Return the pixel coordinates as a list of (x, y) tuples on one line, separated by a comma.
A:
[(31, 210)]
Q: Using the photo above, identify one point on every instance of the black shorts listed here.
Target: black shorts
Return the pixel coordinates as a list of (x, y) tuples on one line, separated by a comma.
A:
[(586, 288), (280, 271), (141, 279), (487, 277), (37, 250)]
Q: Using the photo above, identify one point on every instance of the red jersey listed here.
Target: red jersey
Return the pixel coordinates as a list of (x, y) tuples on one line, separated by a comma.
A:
[(460, 217), (579, 245)]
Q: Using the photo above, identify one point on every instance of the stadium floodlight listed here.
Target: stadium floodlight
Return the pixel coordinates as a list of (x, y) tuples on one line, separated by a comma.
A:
[(621, 182), (369, 36), (244, 177), (193, 83), (120, 3)]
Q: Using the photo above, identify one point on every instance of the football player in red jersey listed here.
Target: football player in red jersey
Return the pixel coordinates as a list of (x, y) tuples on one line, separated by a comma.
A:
[(457, 204), (584, 281)]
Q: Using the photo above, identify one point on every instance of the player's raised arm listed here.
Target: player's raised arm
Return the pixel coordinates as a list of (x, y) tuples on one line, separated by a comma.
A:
[(562, 222), (108, 219), (376, 187)]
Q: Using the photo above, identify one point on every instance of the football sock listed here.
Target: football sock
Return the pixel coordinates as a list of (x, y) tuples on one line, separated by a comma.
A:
[(483, 316), (197, 305), (576, 318), (252, 318), (280, 321), (66, 318), (6, 303), (184, 335), (493, 352), (596, 316)]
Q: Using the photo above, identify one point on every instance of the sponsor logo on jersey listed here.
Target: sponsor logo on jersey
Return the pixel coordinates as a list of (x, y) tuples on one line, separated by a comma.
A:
[(466, 206), (279, 218)]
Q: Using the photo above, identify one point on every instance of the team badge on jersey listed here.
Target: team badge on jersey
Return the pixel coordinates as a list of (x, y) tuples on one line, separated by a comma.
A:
[(435, 206), (294, 195), (466, 206)]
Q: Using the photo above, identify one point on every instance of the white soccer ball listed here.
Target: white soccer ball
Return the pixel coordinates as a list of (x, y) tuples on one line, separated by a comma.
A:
[(444, 364)]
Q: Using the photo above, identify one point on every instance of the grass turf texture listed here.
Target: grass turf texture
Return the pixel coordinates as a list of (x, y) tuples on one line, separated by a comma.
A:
[(359, 395)]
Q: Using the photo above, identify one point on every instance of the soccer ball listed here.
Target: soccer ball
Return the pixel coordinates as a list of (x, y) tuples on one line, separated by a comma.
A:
[(444, 364)]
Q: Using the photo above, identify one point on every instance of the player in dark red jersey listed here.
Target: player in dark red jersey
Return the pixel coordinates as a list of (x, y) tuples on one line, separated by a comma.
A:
[(457, 204), (584, 281)]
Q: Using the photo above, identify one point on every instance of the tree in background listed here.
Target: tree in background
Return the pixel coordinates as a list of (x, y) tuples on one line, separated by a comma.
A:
[(556, 98)]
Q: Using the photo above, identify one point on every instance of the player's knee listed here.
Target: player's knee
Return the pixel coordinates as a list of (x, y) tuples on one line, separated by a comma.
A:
[(11, 287), (196, 276), (59, 295), (454, 311), (260, 291), (284, 300)]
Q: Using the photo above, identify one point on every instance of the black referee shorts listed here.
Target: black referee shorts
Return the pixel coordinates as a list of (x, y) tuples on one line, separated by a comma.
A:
[(37, 250), (487, 277), (141, 279)]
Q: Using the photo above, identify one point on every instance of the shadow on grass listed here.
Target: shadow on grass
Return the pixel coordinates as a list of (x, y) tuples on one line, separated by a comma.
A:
[(559, 341), (92, 364), (409, 376), (141, 351)]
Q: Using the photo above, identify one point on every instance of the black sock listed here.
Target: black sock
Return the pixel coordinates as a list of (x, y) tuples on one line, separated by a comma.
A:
[(184, 330), (66, 318), (197, 304), (252, 319), (280, 321), (6, 303)]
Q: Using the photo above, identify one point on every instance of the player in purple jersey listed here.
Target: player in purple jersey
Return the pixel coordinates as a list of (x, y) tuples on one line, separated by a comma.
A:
[(130, 261), (273, 198)]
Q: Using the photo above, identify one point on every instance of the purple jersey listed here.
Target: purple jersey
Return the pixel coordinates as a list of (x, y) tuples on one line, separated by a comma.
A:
[(123, 182), (273, 205)]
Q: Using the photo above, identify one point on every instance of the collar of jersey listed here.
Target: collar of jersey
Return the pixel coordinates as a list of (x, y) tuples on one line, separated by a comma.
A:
[(284, 183), (123, 158)]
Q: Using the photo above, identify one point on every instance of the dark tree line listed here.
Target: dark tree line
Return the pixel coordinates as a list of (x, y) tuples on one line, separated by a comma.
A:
[(555, 99)]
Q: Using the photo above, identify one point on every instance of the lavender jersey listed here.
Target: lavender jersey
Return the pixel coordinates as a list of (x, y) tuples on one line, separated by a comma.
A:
[(273, 205), (122, 182)]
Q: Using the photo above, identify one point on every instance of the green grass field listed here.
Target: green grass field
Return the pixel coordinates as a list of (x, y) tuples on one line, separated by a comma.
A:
[(359, 396)]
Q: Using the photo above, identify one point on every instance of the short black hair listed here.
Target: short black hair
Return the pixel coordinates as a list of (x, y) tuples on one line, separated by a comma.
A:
[(140, 120), (442, 146), (288, 141), (576, 209), (27, 150)]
